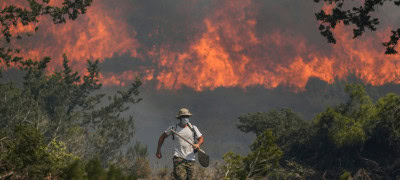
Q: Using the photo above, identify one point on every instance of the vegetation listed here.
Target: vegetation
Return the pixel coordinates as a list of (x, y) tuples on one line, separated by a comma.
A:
[(52, 120), (357, 139)]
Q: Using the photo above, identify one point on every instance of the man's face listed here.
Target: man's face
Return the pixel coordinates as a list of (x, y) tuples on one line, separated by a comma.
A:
[(184, 120)]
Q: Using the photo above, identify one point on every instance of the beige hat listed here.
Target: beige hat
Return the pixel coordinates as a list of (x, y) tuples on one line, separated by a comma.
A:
[(183, 112)]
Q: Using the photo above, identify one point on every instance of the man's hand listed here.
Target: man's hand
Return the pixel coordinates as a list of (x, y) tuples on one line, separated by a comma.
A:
[(196, 146), (159, 155)]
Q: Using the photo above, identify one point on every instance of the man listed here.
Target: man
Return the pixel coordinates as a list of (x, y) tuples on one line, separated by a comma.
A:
[(184, 155)]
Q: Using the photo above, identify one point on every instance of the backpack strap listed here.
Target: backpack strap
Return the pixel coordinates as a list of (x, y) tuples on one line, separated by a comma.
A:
[(194, 133), (173, 135), (194, 136)]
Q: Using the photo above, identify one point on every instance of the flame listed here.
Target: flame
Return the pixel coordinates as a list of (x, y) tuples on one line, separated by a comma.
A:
[(122, 79), (229, 52)]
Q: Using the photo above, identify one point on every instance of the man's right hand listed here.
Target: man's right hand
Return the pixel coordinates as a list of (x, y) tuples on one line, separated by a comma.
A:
[(159, 155)]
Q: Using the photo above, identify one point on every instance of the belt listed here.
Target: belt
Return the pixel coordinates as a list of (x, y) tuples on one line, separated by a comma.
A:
[(182, 159)]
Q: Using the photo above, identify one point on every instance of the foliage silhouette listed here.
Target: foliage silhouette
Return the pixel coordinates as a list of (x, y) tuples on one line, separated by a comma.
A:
[(359, 16)]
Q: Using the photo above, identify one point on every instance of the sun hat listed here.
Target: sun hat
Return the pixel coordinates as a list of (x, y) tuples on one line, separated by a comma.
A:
[(183, 112)]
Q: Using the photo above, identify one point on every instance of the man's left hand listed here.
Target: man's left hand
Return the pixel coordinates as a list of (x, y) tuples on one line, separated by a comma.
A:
[(196, 146)]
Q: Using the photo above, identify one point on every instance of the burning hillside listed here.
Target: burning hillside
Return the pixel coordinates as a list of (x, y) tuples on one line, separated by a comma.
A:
[(229, 48)]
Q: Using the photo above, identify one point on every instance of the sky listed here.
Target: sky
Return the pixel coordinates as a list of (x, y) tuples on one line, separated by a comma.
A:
[(219, 58)]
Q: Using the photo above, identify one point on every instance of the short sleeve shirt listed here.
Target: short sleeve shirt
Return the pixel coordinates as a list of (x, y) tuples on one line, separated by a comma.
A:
[(181, 147)]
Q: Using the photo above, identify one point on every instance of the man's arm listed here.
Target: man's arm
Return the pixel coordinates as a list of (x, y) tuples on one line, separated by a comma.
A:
[(160, 143), (200, 142)]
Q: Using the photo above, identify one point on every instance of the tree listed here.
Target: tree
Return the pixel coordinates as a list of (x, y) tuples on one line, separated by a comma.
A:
[(264, 156), (24, 154), (65, 109), (233, 167), (287, 126), (358, 138), (135, 161), (64, 106), (361, 17), (262, 160), (348, 124), (388, 122), (357, 135)]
